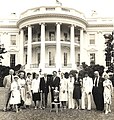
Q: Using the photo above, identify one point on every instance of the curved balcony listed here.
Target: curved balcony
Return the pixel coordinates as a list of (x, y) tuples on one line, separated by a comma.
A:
[(48, 42)]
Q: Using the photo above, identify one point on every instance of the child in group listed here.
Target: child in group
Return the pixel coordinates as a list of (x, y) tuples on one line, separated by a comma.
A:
[(108, 89), (15, 94)]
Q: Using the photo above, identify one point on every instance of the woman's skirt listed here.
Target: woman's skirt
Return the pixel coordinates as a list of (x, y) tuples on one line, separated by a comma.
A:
[(36, 96)]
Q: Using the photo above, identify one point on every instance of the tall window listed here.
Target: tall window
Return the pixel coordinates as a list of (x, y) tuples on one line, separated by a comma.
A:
[(65, 36), (39, 37), (92, 39), (12, 60), (51, 59), (0, 38), (65, 59), (13, 39), (78, 63), (26, 59), (92, 57), (38, 58), (52, 36), (77, 35)]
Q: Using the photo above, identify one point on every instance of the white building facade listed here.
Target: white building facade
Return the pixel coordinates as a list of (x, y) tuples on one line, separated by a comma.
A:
[(51, 38)]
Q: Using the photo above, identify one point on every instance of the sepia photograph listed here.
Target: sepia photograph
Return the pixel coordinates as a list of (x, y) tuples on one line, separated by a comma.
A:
[(56, 60)]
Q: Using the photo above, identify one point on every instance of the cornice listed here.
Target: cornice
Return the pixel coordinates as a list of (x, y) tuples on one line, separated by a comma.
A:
[(8, 26), (49, 16), (100, 25)]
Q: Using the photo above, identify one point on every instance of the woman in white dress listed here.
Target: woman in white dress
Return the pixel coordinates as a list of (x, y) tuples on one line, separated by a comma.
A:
[(15, 93), (108, 89), (71, 80), (63, 90), (28, 94)]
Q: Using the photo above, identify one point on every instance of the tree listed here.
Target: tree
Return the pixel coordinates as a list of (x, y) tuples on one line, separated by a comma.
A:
[(109, 51)]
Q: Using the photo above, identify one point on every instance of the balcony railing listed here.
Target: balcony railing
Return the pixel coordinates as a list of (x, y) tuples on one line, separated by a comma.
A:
[(50, 39), (65, 40), (34, 65), (47, 65), (66, 65), (62, 40)]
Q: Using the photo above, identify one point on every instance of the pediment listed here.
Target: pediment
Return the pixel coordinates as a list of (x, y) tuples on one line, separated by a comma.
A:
[(92, 50), (12, 50)]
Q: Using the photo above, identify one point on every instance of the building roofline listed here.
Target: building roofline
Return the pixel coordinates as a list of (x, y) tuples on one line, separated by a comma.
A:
[(51, 15)]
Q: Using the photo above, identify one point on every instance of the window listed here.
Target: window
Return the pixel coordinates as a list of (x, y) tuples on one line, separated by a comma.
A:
[(51, 59), (0, 39), (65, 36), (92, 39), (77, 36), (39, 37), (65, 59), (92, 57), (78, 63), (13, 39), (52, 36), (38, 58), (12, 60), (26, 59)]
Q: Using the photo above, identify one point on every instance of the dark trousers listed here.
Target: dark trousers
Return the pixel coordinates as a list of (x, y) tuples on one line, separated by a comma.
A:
[(98, 98), (44, 99), (8, 98)]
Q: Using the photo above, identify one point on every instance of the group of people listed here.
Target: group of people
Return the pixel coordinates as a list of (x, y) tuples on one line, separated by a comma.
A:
[(24, 89)]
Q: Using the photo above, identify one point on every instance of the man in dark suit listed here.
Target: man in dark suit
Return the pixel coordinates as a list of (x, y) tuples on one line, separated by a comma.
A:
[(98, 91), (44, 86), (54, 83)]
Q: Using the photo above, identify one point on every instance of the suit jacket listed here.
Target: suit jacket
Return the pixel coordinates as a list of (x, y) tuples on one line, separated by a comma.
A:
[(100, 88), (55, 82), (44, 85), (7, 81)]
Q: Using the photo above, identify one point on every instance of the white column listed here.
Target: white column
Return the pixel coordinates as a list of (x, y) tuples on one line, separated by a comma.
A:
[(42, 53), (58, 47), (21, 46), (72, 48), (29, 49), (82, 59)]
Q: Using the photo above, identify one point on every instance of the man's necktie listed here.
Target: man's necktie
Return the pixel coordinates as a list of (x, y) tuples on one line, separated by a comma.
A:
[(11, 78), (96, 82)]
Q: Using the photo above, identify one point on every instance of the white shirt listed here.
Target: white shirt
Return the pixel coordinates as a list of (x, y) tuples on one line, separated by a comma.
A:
[(35, 85), (21, 83), (108, 87), (87, 84)]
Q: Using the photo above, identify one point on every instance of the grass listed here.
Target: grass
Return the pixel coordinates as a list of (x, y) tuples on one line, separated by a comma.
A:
[(68, 114)]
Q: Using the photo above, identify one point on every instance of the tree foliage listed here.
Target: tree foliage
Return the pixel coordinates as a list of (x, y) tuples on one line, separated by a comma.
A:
[(4, 70)]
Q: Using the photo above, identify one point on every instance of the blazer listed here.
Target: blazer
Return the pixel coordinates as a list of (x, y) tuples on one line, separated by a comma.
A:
[(55, 82), (7, 81), (44, 85)]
